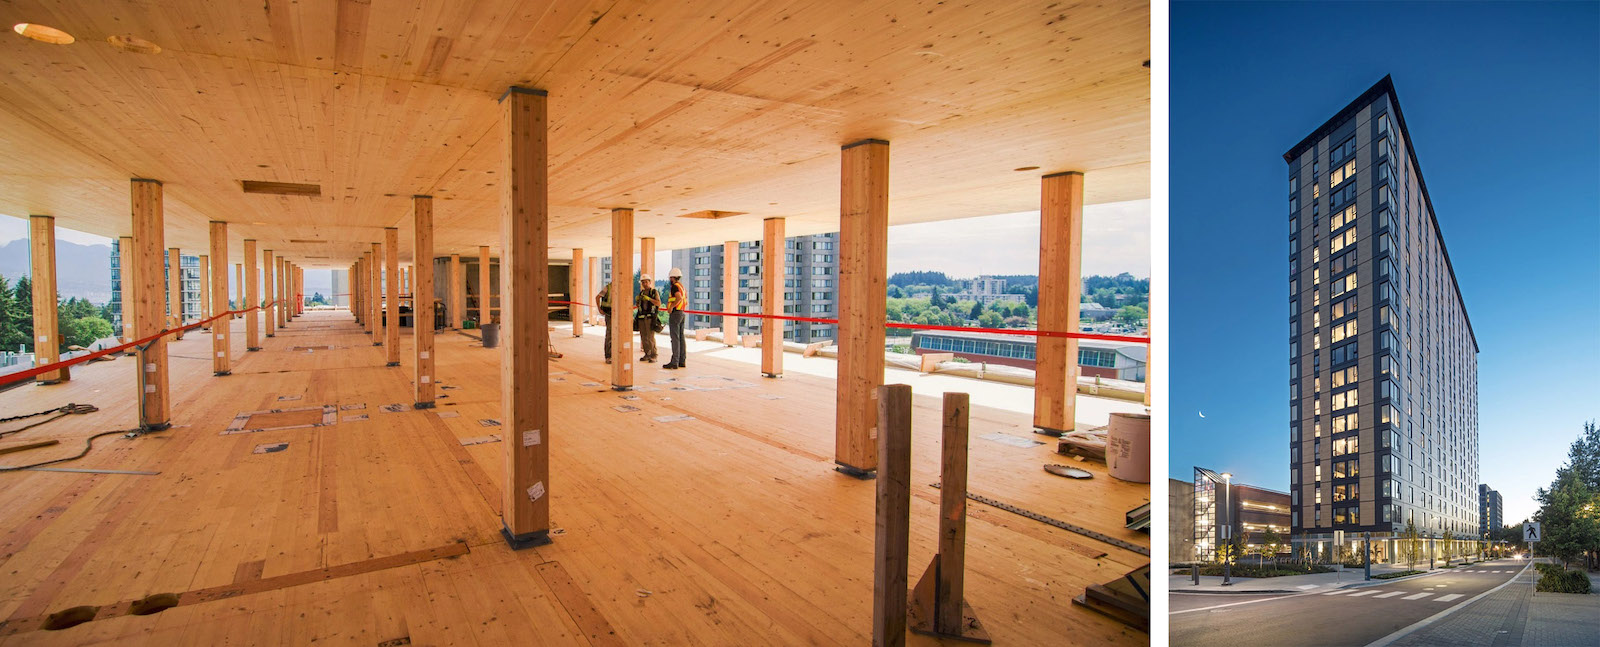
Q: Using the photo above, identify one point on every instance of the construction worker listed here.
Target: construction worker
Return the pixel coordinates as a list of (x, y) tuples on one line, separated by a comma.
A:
[(645, 321), (676, 300), (604, 299)]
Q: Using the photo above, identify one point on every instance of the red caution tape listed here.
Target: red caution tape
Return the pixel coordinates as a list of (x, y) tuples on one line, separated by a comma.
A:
[(40, 370)]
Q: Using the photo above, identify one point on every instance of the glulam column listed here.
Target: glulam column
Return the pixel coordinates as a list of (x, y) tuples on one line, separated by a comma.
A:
[(621, 299), (593, 289), (575, 283), (221, 350), (485, 287), (524, 314), (149, 302), (391, 291), (456, 293), (863, 269), (772, 296), (175, 290), (730, 292), (1055, 387), (238, 279), (422, 300), (283, 293), (125, 289), (205, 290), (46, 312), (252, 298), (647, 257), (379, 322)]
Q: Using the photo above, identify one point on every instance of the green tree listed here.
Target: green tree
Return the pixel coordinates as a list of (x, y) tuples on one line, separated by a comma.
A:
[(83, 331), (990, 320), (976, 311), (1411, 543), (1569, 518), (1131, 315), (1448, 546), (18, 324), (1273, 542)]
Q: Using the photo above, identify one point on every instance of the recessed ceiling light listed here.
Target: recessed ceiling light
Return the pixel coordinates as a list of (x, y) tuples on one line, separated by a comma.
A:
[(134, 44), (44, 34), (1026, 168)]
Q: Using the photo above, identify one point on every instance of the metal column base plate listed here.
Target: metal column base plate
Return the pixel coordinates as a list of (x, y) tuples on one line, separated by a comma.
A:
[(527, 540), (853, 471)]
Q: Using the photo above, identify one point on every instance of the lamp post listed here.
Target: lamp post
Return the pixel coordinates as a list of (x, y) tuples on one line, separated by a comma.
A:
[(1227, 505)]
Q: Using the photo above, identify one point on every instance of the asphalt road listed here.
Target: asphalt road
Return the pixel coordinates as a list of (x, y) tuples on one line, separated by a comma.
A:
[(1340, 617)]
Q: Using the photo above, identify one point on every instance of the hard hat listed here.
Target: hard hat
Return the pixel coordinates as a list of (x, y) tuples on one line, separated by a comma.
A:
[(644, 277), (675, 273)]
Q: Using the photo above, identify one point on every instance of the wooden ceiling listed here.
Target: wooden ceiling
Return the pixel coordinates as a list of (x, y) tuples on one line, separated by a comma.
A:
[(667, 107)]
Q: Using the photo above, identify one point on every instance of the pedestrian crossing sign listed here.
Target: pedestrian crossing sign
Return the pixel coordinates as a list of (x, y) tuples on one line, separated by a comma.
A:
[(1530, 532)]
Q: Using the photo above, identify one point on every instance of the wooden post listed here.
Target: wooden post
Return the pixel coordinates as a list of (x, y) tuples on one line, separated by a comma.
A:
[(1055, 388), (893, 536), (485, 287), (647, 257), (366, 292), (175, 290), (594, 288), (205, 290), (422, 301), (281, 268), (149, 306), (391, 293), (730, 292), (453, 293), (125, 252), (378, 320), (300, 289), (863, 268), (772, 296), (524, 288), (621, 299), (575, 279), (238, 274), (221, 350), (406, 272), (938, 605), (46, 309), (250, 298)]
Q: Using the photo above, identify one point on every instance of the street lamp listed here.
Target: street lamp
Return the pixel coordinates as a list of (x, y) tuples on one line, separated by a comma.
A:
[(1227, 505)]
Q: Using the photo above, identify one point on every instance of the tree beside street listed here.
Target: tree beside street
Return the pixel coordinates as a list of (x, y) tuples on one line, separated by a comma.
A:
[(1570, 512)]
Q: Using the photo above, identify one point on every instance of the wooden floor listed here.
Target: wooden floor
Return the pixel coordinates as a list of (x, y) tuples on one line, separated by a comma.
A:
[(729, 528)]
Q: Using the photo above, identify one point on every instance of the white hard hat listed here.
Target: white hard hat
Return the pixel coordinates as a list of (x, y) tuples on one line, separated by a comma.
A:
[(675, 273), (645, 277)]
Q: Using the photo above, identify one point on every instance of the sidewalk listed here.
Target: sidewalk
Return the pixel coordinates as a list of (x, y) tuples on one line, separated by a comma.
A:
[(1286, 584), (1513, 616)]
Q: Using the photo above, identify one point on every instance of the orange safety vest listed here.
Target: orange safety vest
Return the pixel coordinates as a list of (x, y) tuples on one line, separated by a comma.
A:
[(676, 301)]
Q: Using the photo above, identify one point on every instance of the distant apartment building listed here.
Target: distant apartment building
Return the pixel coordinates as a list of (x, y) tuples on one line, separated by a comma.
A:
[(1383, 386), (986, 290), (1225, 510), (189, 265), (810, 284), (1095, 312), (1489, 513)]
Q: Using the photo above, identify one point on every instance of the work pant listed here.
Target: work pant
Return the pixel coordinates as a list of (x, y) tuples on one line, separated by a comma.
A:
[(680, 350), (608, 333), (647, 337)]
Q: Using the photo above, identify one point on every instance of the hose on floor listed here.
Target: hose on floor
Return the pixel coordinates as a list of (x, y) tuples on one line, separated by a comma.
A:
[(61, 412)]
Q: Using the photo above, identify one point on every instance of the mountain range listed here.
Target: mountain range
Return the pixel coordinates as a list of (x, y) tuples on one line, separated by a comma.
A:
[(82, 271)]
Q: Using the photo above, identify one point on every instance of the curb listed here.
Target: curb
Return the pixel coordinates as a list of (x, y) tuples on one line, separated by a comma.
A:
[(1251, 592)]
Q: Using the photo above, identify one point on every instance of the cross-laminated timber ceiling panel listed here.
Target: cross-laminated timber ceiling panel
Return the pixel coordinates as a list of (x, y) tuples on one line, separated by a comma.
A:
[(669, 108)]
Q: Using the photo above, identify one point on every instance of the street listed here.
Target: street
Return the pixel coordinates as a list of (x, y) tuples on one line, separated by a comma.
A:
[(1340, 617)]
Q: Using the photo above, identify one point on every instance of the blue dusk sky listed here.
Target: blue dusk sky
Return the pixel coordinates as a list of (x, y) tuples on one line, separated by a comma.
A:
[(1503, 106)]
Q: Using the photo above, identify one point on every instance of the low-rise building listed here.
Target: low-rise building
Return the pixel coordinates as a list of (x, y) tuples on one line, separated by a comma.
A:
[(1224, 509), (1096, 358)]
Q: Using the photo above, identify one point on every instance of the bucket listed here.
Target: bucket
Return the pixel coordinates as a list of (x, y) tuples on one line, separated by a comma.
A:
[(1128, 447), (491, 339)]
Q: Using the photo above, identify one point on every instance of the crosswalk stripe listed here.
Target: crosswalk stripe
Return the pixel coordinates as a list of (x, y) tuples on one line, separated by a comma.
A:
[(1418, 596), (1361, 593), (1447, 598), (1336, 592), (1387, 595)]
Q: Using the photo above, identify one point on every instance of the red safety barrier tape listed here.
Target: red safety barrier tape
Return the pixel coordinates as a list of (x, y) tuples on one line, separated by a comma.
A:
[(895, 324), (40, 370)]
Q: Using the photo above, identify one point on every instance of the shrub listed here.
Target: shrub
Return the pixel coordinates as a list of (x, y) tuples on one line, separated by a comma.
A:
[(1390, 576), (1556, 579), (1266, 570)]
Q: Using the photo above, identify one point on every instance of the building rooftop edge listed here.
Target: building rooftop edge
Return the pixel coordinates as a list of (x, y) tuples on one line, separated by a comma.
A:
[(1385, 86)]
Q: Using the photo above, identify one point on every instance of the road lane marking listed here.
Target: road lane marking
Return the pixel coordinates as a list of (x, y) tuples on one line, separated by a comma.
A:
[(1336, 592), (1358, 594), (1387, 595), (1404, 631), (1418, 596), (1452, 596)]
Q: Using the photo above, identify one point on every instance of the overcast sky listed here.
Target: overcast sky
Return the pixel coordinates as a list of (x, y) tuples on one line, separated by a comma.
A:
[(14, 228)]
